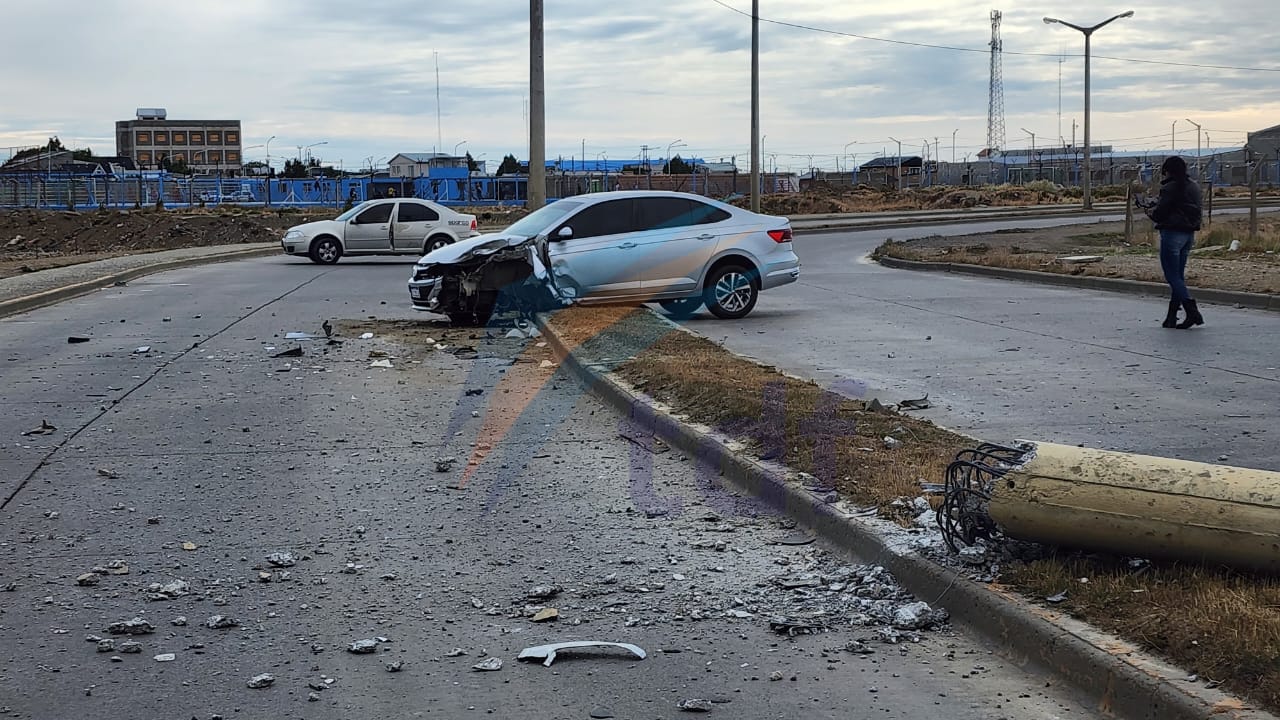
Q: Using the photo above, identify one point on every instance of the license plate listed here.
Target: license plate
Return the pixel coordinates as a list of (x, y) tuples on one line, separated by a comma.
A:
[(415, 293)]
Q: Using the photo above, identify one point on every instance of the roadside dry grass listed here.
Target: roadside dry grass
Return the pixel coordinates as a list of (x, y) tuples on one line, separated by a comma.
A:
[(1218, 623)]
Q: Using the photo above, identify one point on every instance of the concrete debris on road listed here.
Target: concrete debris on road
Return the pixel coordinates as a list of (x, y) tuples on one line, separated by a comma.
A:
[(548, 653), (445, 464), (167, 591), (544, 592), (108, 474), (180, 621), (380, 364), (165, 657), (142, 350), (695, 705), (136, 626), (106, 645), (491, 664), (221, 622), (891, 443), (88, 579), (131, 647), (456, 652), (395, 666), (545, 615), (261, 681), (918, 616)]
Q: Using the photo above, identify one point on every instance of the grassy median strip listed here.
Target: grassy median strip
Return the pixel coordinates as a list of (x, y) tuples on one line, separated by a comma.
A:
[(1220, 624)]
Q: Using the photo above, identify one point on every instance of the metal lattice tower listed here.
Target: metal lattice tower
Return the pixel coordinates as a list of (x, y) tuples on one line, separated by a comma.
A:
[(995, 97)]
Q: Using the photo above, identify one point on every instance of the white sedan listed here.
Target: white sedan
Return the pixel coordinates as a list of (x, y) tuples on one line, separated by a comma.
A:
[(395, 226), (678, 249)]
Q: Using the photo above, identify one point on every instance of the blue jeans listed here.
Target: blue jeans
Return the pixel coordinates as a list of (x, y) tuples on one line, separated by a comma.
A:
[(1175, 246)]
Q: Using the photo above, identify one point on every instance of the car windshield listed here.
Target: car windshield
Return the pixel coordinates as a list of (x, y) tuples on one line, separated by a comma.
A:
[(351, 213), (541, 219)]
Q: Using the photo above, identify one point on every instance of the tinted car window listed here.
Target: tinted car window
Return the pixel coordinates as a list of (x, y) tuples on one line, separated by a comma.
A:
[(376, 214), (659, 213), (413, 212), (606, 218)]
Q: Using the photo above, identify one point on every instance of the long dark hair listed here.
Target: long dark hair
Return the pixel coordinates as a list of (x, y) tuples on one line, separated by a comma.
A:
[(1175, 167)]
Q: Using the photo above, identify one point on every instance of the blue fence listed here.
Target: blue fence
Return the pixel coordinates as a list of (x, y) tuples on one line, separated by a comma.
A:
[(66, 191)]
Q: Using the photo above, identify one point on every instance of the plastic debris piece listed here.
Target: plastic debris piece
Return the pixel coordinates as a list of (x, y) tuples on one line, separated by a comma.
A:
[(73, 339), (281, 559), (298, 336), (488, 665), (1055, 599), (363, 647), (380, 364), (366, 336), (44, 429), (917, 404), (142, 350), (548, 653), (291, 352), (695, 705)]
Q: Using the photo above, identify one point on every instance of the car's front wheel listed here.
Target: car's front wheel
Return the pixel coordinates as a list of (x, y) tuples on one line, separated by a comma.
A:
[(731, 292), (682, 308), (435, 242), (325, 250)]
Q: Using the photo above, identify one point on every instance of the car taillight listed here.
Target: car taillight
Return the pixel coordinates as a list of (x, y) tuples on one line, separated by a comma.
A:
[(473, 223), (781, 236)]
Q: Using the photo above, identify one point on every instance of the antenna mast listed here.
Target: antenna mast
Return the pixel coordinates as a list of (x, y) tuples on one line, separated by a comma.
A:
[(995, 97)]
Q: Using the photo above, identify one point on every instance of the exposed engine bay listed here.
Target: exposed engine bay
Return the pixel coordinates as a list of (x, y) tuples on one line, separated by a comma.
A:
[(500, 276)]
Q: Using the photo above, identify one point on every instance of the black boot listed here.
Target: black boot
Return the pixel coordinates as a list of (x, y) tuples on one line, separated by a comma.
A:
[(1171, 320), (1193, 315)]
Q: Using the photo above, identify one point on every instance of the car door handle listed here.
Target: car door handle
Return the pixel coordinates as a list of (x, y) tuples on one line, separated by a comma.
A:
[(706, 236), (627, 245)]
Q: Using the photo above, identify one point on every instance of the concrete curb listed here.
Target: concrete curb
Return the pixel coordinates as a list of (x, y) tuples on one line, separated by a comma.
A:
[(1113, 676), (1257, 301), (22, 304)]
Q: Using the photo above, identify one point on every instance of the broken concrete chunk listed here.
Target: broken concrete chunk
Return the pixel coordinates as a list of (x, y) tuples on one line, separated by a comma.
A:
[(131, 647), (261, 681), (136, 626), (918, 616), (221, 622), (380, 364), (891, 443), (695, 705), (456, 652), (167, 591), (180, 621), (396, 666), (88, 579), (549, 652), (488, 665), (543, 592), (106, 645), (546, 615), (445, 464), (363, 647), (165, 657)]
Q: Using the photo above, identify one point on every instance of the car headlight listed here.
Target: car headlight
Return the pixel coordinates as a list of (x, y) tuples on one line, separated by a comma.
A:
[(293, 235)]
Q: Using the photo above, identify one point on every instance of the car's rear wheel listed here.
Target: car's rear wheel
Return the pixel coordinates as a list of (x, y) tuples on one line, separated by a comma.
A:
[(682, 308), (731, 292), (435, 242), (325, 250)]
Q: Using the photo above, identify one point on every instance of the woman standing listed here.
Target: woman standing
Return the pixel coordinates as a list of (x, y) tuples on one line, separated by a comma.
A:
[(1177, 217)]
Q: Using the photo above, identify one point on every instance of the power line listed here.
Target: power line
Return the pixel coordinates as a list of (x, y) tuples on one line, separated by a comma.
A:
[(953, 48)]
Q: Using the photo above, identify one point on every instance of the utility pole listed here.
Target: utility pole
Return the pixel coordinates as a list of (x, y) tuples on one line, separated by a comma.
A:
[(537, 191), (1199, 177), (755, 106)]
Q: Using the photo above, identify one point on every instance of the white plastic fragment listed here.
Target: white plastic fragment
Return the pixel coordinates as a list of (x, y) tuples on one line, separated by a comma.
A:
[(549, 651)]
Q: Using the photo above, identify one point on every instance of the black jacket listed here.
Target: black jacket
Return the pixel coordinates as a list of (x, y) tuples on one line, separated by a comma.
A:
[(1179, 205)]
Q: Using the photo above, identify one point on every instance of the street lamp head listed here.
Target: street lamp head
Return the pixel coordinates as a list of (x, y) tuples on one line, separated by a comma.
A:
[(1126, 14), (1050, 21)]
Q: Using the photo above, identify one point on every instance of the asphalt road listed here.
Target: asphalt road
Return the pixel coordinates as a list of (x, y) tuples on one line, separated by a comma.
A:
[(218, 445), (1008, 360)]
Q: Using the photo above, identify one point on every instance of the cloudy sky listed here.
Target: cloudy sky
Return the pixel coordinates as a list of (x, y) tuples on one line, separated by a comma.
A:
[(360, 76)]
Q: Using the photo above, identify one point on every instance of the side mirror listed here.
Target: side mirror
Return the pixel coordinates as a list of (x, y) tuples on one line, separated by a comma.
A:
[(565, 233)]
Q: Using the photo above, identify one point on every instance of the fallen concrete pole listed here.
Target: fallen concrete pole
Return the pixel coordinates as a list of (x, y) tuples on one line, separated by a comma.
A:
[(1118, 503)]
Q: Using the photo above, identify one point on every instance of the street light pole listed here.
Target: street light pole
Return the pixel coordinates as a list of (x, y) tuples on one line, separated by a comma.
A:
[(1198, 176), (455, 147), (755, 106), (899, 161), (676, 142), (1088, 150), (536, 193)]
